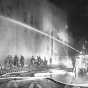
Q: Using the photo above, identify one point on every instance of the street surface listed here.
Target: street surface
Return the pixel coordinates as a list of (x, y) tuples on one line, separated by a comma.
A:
[(49, 78)]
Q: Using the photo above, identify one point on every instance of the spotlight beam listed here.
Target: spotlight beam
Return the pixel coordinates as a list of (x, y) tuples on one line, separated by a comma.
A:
[(38, 31)]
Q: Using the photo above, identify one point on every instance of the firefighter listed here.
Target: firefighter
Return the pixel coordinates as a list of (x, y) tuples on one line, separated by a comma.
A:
[(1, 70), (5, 63), (32, 60), (16, 61), (39, 60), (22, 61), (45, 61), (8, 61)]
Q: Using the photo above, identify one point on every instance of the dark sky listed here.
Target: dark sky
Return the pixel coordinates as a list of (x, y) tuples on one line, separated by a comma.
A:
[(77, 11)]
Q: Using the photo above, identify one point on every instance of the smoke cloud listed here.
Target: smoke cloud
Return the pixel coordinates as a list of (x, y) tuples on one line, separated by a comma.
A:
[(44, 16)]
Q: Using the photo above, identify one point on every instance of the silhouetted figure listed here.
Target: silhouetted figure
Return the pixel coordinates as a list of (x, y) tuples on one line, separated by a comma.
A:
[(8, 61), (39, 60), (45, 61), (1, 70), (42, 61), (5, 63), (32, 60), (16, 61), (22, 61)]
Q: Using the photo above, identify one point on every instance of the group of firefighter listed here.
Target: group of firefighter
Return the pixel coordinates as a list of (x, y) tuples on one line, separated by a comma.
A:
[(15, 61), (38, 61)]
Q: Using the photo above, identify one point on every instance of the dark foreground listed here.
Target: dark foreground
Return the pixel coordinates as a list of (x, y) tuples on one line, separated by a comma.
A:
[(37, 83)]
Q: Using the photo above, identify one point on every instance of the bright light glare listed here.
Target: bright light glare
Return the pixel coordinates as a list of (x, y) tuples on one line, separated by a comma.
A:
[(55, 71), (51, 72)]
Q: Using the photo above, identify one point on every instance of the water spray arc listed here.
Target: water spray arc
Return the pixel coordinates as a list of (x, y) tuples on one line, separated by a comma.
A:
[(38, 31)]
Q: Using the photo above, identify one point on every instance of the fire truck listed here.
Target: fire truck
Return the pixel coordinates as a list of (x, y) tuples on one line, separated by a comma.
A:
[(81, 64)]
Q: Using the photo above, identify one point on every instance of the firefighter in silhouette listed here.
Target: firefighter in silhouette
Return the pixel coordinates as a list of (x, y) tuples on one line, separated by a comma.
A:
[(5, 63), (1, 70), (45, 61), (39, 60), (16, 61), (32, 60), (8, 61), (22, 61), (50, 60)]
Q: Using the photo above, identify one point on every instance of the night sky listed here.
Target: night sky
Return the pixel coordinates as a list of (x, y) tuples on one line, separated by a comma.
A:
[(77, 11)]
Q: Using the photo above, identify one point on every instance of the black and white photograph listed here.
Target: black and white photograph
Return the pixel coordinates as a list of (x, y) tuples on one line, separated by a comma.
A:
[(43, 43)]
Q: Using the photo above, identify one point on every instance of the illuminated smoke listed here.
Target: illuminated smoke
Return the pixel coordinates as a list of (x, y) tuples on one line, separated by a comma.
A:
[(31, 28), (22, 39), (55, 20), (34, 42)]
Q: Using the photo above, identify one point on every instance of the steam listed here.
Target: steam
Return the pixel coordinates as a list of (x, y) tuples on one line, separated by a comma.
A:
[(46, 18), (56, 24), (27, 42)]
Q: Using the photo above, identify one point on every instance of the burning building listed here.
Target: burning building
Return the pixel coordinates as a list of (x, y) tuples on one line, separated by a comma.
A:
[(81, 65), (25, 40), (40, 31)]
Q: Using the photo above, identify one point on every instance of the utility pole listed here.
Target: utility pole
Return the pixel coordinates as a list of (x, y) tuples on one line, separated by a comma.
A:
[(51, 46), (16, 47)]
